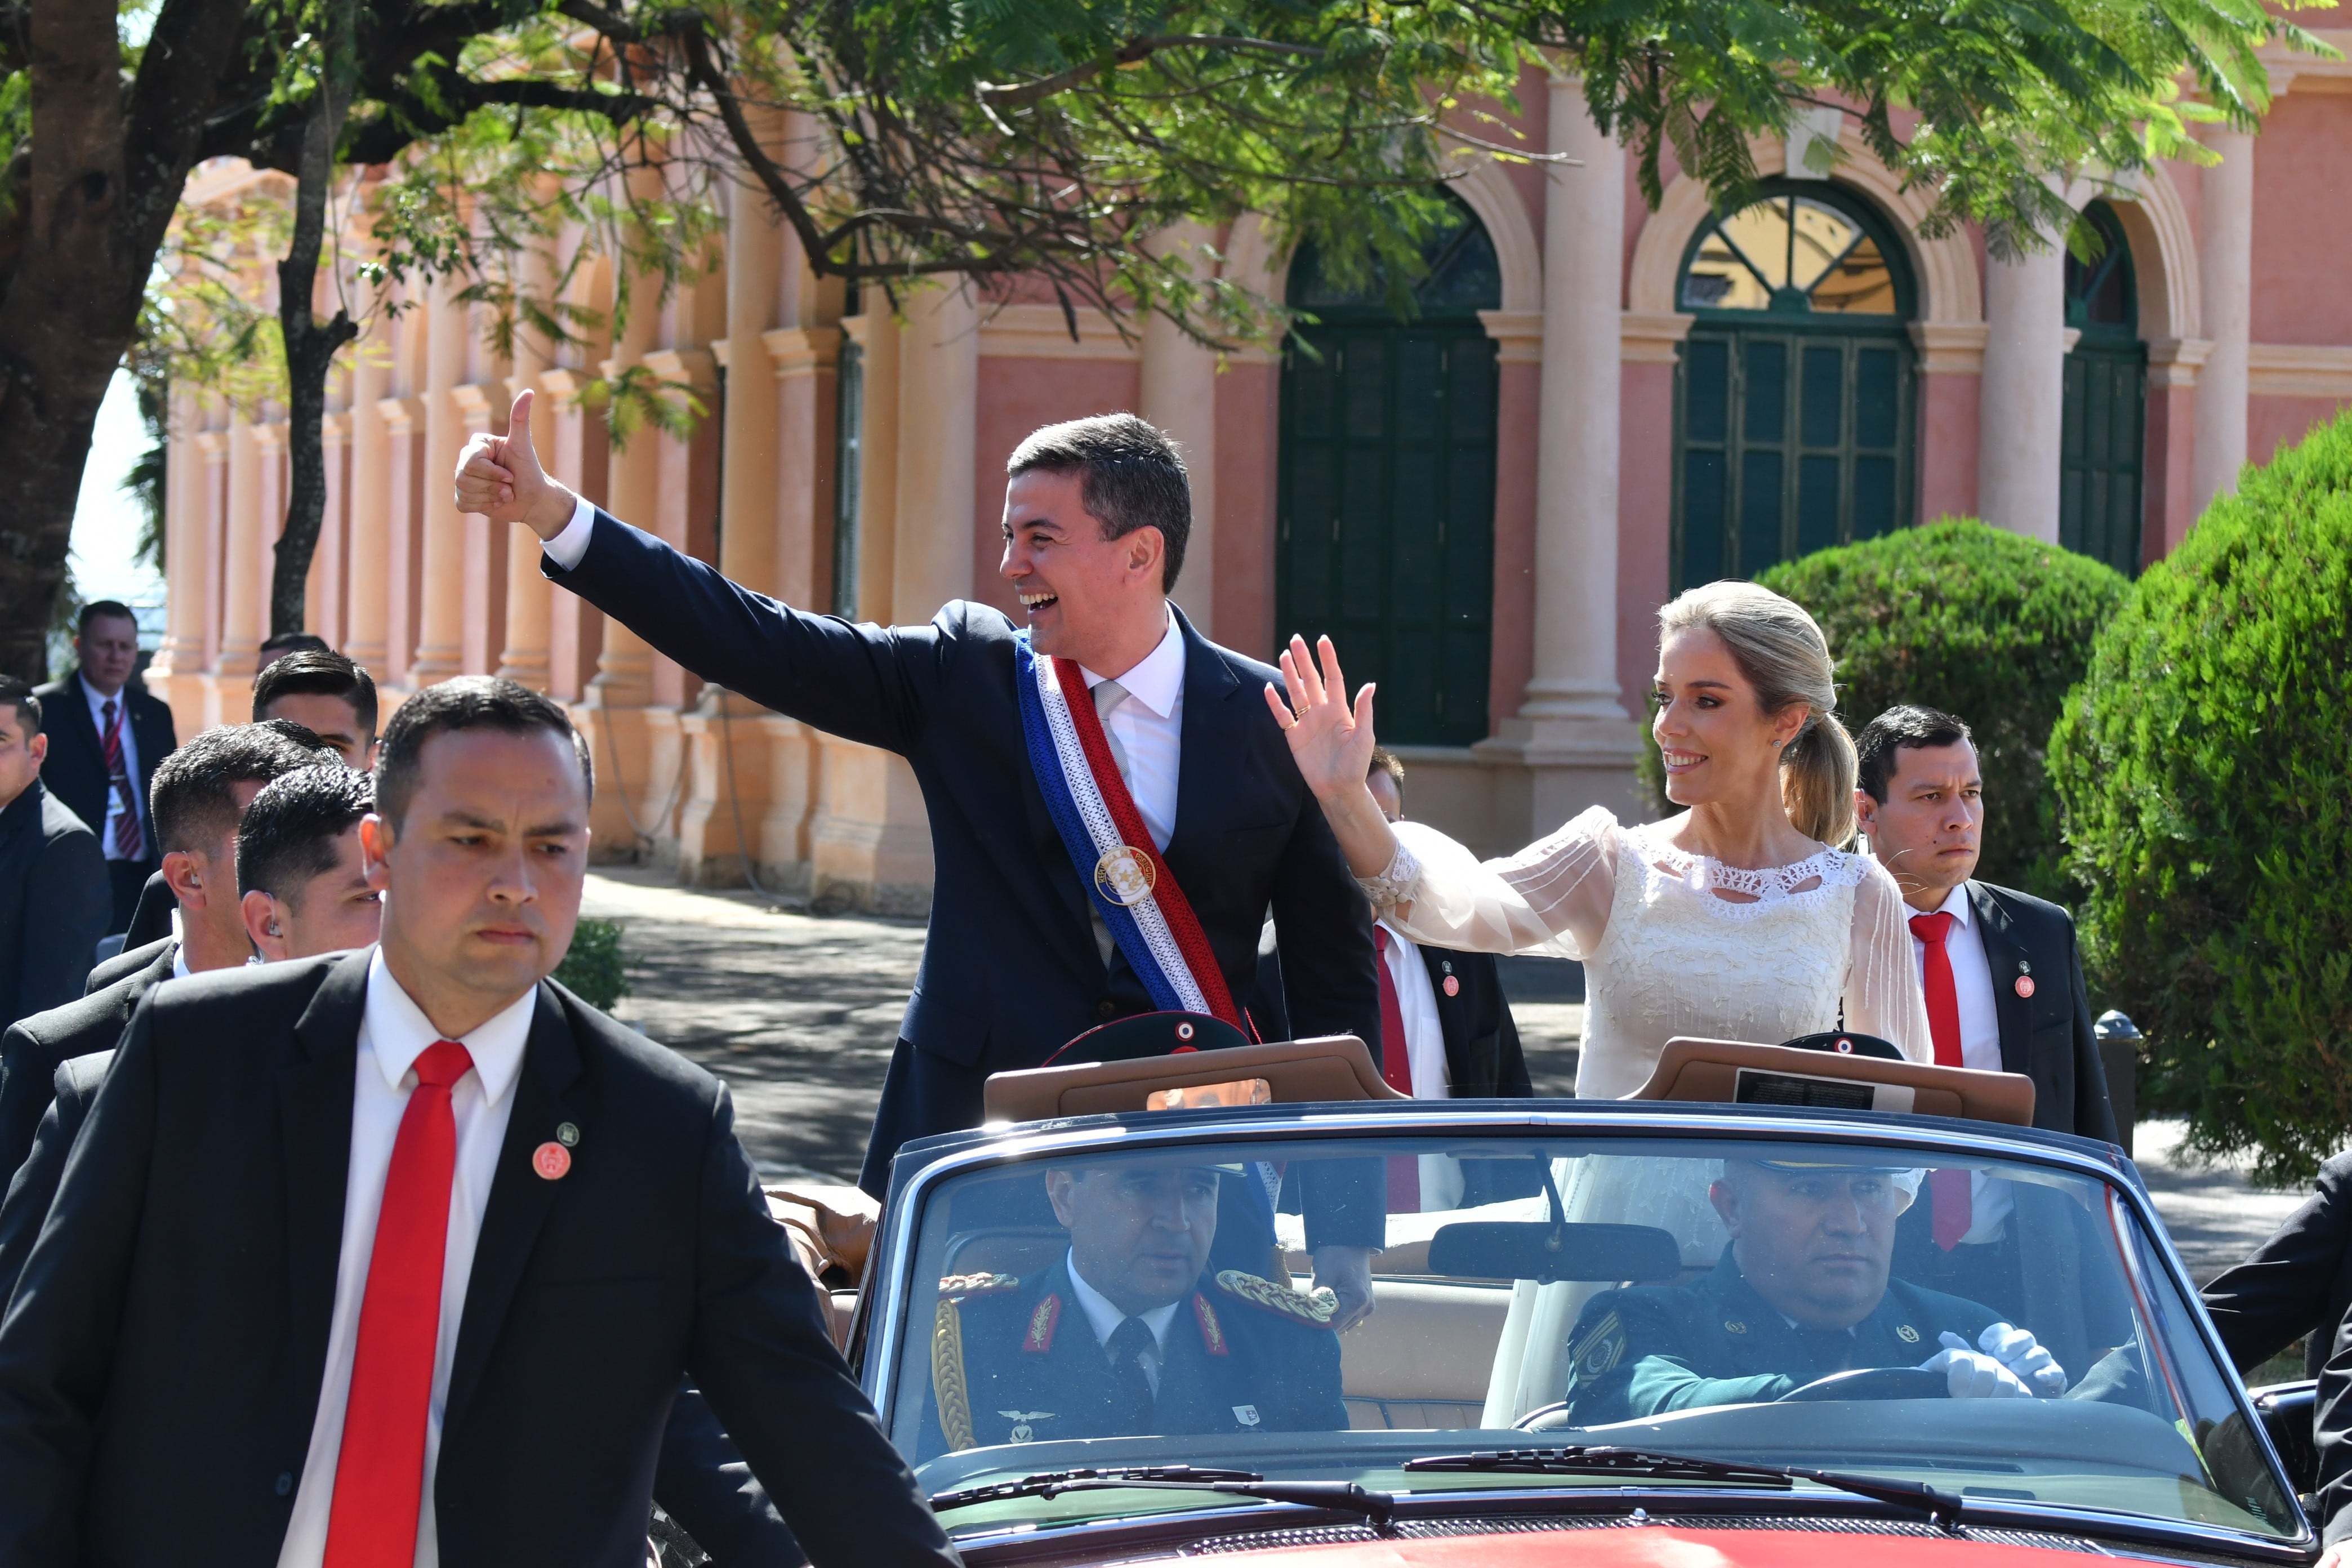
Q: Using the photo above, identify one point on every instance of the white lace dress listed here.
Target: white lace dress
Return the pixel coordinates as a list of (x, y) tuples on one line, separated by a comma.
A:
[(1664, 954)]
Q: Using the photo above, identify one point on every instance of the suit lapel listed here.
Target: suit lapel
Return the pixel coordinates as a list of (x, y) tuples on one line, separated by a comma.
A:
[(79, 723), (2003, 952), (314, 1104), (1209, 763), (548, 1091)]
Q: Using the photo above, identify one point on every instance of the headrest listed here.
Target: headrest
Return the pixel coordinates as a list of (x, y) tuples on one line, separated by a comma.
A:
[(1333, 1066), (1749, 1074)]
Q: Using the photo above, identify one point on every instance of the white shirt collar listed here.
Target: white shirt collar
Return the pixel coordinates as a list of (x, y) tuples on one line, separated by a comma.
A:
[(1957, 905), (399, 1033), (1103, 1315), (179, 961), (98, 700), (1157, 677)]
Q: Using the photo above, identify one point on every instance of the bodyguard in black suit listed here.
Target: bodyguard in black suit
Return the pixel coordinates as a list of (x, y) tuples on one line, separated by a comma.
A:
[(108, 649), (2296, 1284), (55, 899), (1012, 970), (622, 1242), (36, 1049)]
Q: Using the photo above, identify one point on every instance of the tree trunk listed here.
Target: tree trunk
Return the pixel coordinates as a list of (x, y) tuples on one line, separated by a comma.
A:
[(311, 344), (105, 174)]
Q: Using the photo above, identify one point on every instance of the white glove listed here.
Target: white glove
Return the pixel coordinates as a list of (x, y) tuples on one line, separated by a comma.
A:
[(1972, 1374), (2023, 1354)]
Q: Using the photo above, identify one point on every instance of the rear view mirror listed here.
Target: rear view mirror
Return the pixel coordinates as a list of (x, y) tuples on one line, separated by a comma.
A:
[(1548, 1253)]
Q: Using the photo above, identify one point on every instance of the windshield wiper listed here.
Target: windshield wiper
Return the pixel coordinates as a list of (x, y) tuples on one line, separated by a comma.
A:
[(1344, 1497), (1939, 1507)]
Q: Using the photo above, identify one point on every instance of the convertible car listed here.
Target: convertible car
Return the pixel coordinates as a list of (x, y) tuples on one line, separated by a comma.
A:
[(1599, 1334)]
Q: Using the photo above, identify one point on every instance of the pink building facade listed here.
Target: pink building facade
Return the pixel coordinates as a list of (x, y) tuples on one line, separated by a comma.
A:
[(1597, 404)]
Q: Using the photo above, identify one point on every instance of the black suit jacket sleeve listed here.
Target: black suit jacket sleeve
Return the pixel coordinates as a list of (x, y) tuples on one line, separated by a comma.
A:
[(762, 1355), (866, 683), (2095, 1114), (2331, 1436), (702, 1482), (56, 1358), (35, 1184), (69, 903), (2298, 1282)]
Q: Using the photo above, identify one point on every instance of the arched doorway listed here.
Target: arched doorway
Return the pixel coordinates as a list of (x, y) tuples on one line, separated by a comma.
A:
[(2103, 432), (1793, 395), (1386, 489)]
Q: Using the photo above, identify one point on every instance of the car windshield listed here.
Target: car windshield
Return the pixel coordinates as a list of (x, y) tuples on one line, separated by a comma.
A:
[(1997, 1329)]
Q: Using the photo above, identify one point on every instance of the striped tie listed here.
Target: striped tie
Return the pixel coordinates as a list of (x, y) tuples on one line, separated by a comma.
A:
[(118, 780)]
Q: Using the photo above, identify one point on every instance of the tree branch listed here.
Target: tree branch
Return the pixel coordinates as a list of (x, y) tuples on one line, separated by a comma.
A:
[(1019, 95)]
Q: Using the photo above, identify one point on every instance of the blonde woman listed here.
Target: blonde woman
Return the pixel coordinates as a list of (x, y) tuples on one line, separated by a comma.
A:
[(1736, 919)]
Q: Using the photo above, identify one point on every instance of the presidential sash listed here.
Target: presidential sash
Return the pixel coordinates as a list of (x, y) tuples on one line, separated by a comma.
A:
[(1146, 912)]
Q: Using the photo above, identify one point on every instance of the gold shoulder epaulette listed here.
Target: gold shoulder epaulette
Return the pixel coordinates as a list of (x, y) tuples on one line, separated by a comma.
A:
[(962, 1285), (1315, 1309)]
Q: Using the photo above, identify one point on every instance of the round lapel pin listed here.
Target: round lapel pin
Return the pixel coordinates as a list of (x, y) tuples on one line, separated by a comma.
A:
[(553, 1160), (1453, 985), (567, 1135), (2025, 986)]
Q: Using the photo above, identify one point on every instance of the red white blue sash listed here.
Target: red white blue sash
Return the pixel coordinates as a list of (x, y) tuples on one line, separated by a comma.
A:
[(1146, 912)]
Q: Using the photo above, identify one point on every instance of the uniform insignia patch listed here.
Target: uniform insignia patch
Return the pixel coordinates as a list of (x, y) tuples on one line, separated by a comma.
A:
[(1040, 1337), (1733, 1326), (960, 1284), (1601, 1350), (1022, 1431), (1212, 1333), (1314, 1309), (1245, 1414), (1906, 1333)]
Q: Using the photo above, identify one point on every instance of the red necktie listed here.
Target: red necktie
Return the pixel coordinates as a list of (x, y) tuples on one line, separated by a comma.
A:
[(380, 1477), (117, 778), (1947, 1190), (1396, 1067)]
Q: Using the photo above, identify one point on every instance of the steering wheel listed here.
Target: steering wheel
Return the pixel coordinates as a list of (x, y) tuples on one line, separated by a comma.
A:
[(1873, 1382)]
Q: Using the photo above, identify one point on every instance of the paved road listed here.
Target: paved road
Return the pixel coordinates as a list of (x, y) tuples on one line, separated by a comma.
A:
[(798, 1014)]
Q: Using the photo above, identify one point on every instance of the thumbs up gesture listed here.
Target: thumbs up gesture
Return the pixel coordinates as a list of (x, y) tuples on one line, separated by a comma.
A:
[(499, 478)]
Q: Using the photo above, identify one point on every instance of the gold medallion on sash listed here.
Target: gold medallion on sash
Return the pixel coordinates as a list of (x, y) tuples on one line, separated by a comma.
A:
[(1125, 876)]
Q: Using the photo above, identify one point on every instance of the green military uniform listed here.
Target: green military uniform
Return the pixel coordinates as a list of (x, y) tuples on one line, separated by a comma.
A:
[(1651, 1348), (1015, 1361)]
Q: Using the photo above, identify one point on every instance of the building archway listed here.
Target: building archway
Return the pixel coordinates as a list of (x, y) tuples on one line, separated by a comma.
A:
[(1385, 499), (1794, 396), (2103, 432)]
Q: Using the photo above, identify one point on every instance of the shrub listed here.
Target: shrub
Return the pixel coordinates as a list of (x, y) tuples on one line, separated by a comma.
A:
[(591, 970), (2202, 767), (1987, 625)]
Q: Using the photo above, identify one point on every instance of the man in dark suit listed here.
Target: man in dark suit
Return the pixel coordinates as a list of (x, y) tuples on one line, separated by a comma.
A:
[(2297, 1285), (2003, 982), (55, 899), (293, 1143), (1096, 516), (201, 791), (107, 736)]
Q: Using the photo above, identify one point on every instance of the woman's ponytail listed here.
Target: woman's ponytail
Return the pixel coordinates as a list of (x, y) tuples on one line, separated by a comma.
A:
[(1817, 776)]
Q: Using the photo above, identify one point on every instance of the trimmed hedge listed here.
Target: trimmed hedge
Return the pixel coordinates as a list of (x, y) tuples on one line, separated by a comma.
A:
[(1990, 626), (2203, 767), (591, 969)]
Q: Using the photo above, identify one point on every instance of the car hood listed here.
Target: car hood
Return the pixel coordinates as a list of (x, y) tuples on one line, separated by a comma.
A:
[(1667, 1546)]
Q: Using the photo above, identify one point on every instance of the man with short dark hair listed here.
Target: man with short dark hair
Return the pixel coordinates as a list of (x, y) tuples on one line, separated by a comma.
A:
[(107, 736), (55, 899), (326, 693), (201, 791), (302, 888), (1107, 794), (295, 1144)]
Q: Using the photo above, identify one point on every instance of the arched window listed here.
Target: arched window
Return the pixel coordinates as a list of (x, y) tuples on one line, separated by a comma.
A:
[(1385, 508), (1793, 396), (2103, 435)]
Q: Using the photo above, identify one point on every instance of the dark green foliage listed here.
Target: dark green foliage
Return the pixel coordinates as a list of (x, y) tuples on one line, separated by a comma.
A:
[(592, 969), (1990, 626), (2202, 767)]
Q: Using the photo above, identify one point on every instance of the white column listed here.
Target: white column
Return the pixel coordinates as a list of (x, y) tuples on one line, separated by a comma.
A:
[(938, 392), (369, 560), (1572, 733), (2023, 393), (441, 620), (2225, 263), (530, 596), (1179, 394)]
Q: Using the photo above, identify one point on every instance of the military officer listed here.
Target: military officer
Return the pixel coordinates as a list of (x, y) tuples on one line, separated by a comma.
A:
[(1130, 1333), (1801, 1293)]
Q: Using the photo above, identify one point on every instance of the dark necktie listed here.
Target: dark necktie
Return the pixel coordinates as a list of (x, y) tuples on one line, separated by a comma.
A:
[(1396, 1070), (118, 780), (379, 1474), (1126, 1347), (1947, 1191)]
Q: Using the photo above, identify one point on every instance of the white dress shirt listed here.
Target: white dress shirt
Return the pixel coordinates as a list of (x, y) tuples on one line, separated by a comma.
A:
[(1150, 724), (1989, 1200), (393, 1032), (1104, 1316), (115, 804), (1424, 1042)]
